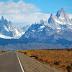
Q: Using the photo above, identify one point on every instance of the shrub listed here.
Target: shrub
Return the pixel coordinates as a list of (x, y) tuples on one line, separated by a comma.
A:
[(68, 68), (25, 52), (34, 57), (56, 63)]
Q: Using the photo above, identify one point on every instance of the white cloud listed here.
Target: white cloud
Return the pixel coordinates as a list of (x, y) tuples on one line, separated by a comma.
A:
[(21, 12), (19, 7)]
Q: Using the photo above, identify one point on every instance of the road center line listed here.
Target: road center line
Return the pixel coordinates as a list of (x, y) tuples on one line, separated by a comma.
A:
[(20, 64)]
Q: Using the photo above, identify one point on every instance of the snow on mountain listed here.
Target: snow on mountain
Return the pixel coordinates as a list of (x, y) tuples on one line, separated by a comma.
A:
[(55, 26), (70, 16), (7, 30), (57, 30), (52, 22), (61, 13), (63, 16)]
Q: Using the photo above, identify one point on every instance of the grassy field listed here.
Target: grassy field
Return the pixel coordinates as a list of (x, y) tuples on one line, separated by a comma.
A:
[(61, 59)]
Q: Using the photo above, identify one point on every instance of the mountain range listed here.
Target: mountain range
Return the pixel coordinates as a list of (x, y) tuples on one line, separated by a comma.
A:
[(56, 32)]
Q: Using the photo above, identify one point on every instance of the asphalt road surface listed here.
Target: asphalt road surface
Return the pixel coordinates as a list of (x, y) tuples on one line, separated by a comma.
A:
[(32, 65), (17, 62), (9, 63)]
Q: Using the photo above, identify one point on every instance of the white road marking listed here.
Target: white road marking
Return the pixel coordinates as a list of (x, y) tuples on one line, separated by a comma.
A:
[(20, 64)]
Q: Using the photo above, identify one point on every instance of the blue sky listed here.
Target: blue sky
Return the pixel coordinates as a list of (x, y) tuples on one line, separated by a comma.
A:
[(50, 6), (31, 11)]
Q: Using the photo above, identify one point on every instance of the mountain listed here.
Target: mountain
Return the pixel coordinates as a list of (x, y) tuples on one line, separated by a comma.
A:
[(56, 32), (62, 16), (61, 13), (39, 33), (8, 30)]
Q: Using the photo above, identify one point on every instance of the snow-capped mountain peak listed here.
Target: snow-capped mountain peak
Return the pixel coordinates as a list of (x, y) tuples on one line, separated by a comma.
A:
[(8, 30), (56, 30), (51, 19), (60, 13), (55, 24), (63, 16)]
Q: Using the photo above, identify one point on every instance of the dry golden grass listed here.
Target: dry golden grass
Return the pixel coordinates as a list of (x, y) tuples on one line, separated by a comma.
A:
[(61, 59)]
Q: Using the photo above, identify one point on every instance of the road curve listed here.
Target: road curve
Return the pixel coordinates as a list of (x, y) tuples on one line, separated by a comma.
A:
[(9, 63)]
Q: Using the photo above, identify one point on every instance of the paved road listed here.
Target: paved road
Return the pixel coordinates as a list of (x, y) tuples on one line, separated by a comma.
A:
[(9, 63), (17, 62), (32, 65)]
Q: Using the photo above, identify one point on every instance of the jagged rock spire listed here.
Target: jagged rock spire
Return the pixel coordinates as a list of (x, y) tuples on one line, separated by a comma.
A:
[(60, 12), (51, 20), (2, 18)]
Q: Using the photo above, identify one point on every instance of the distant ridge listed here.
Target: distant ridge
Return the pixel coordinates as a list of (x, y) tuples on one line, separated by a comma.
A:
[(55, 32)]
